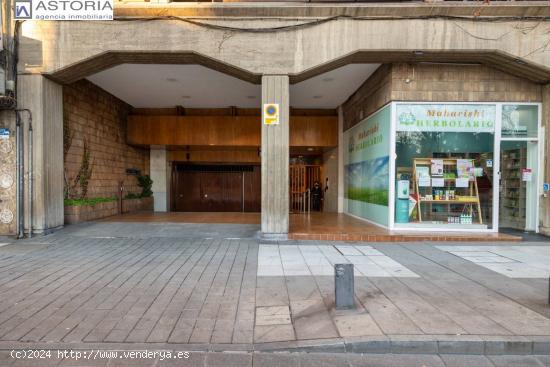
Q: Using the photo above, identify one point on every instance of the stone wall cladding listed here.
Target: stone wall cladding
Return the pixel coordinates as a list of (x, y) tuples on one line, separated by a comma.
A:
[(374, 93), (8, 175), (460, 83), (100, 118), (436, 83)]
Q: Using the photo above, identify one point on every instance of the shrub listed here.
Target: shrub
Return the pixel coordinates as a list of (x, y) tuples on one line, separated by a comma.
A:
[(79, 202), (145, 183)]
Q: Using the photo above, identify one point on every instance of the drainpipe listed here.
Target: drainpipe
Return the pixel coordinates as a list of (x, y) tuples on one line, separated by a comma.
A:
[(20, 175), (31, 178)]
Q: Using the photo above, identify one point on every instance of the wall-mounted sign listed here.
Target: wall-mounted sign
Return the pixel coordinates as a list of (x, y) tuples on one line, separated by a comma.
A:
[(526, 174), (545, 187), (446, 117), (271, 114), (4, 133), (64, 9)]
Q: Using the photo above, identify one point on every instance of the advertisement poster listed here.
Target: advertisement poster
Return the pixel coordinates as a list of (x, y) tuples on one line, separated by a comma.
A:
[(366, 160)]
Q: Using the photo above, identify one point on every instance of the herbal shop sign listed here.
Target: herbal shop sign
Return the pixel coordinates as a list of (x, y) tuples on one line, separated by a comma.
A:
[(446, 117), (64, 9)]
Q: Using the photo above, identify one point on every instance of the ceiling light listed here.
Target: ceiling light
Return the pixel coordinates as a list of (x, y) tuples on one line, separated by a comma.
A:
[(186, 97), (171, 80), (521, 62), (317, 97), (418, 52), (310, 149), (328, 79)]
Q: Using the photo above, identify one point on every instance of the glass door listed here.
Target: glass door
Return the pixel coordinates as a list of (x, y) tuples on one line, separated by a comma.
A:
[(519, 168)]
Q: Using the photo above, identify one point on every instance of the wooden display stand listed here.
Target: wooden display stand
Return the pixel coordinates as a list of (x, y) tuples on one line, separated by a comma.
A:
[(449, 165)]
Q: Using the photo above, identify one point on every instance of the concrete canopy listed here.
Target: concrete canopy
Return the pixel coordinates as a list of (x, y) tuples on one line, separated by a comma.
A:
[(68, 51)]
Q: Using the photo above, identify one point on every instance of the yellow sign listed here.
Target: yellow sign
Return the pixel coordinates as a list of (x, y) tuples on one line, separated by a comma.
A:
[(271, 114)]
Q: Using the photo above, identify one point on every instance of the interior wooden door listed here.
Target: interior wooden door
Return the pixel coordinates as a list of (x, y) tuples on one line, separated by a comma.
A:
[(188, 191), (252, 190), (232, 191), (211, 188)]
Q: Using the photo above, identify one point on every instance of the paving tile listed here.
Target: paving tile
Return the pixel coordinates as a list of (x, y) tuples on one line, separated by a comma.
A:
[(276, 360), (544, 360), (228, 360), (356, 325), (276, 315), (195, 359), (458, 360), (311, 320), (273, 333), (395, 360), (324, 360), (516, 361)]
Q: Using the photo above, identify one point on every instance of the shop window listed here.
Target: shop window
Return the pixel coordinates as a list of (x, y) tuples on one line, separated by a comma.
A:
[(519, 121), (444, 165)]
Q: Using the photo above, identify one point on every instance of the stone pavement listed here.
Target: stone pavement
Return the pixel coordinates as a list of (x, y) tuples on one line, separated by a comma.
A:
[(206, 288), (247, 359)]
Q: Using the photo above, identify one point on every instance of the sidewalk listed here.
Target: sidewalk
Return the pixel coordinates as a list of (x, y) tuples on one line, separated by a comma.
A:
[(153, 285)]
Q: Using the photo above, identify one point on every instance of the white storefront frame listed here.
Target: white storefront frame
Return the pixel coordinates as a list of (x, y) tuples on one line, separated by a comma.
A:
[(497, 135)]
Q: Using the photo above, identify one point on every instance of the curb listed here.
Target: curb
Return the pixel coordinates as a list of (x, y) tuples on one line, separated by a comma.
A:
[(396, 344)]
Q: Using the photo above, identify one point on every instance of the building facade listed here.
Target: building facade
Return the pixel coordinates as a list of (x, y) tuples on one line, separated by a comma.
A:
[(419, 116)]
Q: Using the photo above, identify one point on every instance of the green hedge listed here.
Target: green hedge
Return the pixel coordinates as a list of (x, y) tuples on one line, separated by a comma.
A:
[(79, 202)]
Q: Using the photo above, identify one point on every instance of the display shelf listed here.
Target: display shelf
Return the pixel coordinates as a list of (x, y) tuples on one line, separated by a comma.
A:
[(461, 209)]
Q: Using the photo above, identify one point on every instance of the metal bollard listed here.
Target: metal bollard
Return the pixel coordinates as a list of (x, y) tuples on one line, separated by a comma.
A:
[(344, 287)]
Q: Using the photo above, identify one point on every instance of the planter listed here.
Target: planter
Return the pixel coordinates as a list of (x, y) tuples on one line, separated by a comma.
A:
[(133, 205), (82, 213)]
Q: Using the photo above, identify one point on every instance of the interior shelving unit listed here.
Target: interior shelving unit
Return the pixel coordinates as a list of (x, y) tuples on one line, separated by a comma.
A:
[(513, 188), (465, 200)]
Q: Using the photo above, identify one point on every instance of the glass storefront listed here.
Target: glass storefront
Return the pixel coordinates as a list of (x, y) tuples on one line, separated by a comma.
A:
[(460, 166)]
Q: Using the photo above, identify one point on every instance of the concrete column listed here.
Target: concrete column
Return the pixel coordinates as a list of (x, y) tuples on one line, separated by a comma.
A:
[(158, 169), (544, 215), (44, 99), (340, 159), (275, 159)]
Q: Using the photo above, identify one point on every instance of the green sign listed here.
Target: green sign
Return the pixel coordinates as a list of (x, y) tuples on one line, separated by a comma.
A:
[(446, 117), (366, 160)]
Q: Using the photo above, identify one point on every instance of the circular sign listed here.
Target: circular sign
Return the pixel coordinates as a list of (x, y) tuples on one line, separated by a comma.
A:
[(6, 216), (6, 180), (271, 110)]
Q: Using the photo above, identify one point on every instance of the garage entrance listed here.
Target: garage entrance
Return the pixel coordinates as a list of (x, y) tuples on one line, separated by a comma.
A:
[(216, 188)]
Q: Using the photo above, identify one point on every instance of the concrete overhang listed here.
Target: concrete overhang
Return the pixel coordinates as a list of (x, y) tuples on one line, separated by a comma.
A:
[(496, 59), (337, 8)]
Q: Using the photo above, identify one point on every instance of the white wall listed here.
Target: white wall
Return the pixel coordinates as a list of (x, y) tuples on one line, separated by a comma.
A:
[(330, 171), (158, 169)]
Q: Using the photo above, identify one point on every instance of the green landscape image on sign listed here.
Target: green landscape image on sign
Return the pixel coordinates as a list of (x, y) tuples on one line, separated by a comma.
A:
[(368, 181)]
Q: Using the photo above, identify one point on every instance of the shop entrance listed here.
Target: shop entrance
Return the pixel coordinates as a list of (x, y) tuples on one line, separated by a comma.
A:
[(518, 162), (304, 197)]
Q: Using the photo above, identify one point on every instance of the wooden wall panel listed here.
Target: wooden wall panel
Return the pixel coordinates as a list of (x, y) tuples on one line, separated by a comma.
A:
[(218, 156), (317, 131), (231, 131)]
